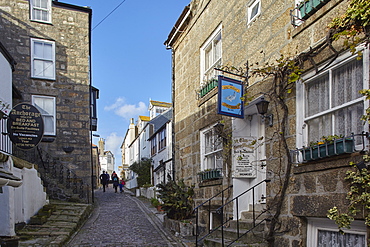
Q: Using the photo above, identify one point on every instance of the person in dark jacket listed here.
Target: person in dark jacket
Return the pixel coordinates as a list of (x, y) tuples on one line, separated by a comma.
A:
[(104, 178), (115, 181)]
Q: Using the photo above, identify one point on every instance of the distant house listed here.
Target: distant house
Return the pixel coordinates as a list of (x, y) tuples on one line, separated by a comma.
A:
[(161, 147), (106, 158), (141, 141), (51, 43)]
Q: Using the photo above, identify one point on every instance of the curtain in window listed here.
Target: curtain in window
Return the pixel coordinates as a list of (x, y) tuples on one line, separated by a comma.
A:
[(347, 82), (336, 239), (40, 10), (317, 95)]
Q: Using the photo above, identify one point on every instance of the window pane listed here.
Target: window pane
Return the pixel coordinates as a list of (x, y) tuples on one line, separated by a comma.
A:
[(255, 10), (38, 68), (44, 4), (48, 69), (48, 51), (48, 124), (331, 238), (318, 127), (38, 49), (347, 82), (317, 95), (217, 48), (347, 120), (208, 57)]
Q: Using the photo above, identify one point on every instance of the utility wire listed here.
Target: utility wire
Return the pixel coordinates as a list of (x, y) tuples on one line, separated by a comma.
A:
[(108, 15)]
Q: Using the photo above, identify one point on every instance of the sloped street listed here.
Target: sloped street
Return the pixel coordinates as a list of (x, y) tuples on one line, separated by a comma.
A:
[(120, 219)]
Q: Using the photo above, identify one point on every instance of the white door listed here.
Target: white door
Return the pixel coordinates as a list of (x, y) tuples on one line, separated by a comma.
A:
[(248, 163)]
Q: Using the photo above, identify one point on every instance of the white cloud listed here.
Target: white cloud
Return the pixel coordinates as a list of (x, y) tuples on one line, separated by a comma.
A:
[(127, 111)]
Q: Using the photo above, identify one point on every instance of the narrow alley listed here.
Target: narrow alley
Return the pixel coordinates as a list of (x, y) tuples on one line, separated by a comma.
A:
[(120, 219)]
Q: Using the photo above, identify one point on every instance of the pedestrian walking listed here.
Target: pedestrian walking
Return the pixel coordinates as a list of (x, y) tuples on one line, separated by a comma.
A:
[(108, 179), (104, 178), (121, 185), (115, 181)]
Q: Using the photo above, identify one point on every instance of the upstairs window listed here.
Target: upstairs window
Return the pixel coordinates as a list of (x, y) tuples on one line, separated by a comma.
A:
[(42, 59), (332, 102), (46, 106), (162, 139), (254, 10), (211, 54), (40, 10), (211, 149), (153, 145)]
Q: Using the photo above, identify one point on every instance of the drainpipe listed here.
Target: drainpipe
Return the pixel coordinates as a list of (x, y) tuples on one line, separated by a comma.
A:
[(173, 114)]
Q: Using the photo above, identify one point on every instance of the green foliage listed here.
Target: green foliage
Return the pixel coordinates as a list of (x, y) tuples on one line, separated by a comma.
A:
[(356, 20), (142, 169), (177, 199), (155, 202), (326, 139), (358, 195)]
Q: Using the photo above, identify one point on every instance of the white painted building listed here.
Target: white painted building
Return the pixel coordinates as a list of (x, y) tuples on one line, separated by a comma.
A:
[(106, 158), (21, 190)]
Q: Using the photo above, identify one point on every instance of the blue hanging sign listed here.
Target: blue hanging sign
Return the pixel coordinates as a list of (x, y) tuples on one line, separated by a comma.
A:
[(230, 92)]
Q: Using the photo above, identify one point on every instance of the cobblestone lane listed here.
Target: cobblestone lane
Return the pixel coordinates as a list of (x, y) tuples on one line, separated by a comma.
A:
[(120, 219)]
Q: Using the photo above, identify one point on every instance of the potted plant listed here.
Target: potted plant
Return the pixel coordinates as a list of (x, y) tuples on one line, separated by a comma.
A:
[(328, 146), (3, 109)]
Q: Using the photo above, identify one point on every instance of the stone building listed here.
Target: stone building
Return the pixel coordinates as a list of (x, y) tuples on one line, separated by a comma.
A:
[(51, 42), (261, 152)]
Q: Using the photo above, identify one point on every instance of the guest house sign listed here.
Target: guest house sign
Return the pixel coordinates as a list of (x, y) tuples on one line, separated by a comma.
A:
[(25, 126), (230, 92), (244, 157)]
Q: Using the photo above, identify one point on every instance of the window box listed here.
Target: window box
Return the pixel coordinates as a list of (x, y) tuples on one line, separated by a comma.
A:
[(308, 7), (337, 147), (210, 174), (208, 87)]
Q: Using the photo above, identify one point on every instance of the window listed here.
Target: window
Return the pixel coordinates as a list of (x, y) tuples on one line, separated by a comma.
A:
[(211, 54), (211, 149), (42, 59), (162, 139), (254, 10), (40, 10), (332, 102), (153, 145), (46, 105), (324, 232)]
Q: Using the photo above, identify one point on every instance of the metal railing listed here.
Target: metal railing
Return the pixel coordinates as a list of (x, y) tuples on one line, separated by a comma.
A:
[(221, 211), (5, 144)]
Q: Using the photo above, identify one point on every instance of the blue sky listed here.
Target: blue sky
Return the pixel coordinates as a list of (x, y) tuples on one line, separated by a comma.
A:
[(130, 64)]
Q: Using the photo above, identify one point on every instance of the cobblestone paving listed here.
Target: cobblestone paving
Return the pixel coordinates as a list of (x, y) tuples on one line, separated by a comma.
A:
[(120, 219)]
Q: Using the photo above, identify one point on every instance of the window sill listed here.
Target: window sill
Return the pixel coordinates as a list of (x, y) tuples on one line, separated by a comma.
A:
[(48, 138)]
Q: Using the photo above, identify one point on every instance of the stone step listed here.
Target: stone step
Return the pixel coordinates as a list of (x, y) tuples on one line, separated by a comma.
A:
[(246, 224), (231, 233), (66, 218)]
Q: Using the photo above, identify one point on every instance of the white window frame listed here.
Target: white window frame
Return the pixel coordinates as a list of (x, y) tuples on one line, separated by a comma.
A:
[(316, 224), (53, 115), (214, 152), (35, 58), (209, 73), (302, 128), (34, 7), (250, 9)]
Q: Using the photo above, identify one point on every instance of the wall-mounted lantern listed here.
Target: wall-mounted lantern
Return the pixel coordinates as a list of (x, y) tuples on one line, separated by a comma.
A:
[(262, 107)]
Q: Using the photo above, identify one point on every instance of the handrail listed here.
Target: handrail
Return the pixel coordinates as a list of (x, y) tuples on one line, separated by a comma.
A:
[(212, 197), (220, 210)]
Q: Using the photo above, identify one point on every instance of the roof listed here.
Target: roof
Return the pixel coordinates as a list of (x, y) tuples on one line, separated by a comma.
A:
[(144, 118), (159, 103), (159, 121)]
